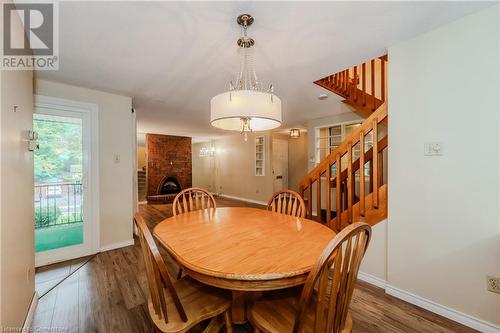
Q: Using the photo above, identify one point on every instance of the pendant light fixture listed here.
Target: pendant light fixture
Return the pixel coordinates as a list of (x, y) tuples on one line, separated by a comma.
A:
[(246, 106)]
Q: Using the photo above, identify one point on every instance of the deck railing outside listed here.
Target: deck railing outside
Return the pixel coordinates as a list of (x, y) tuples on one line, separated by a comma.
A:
[(58, 204)]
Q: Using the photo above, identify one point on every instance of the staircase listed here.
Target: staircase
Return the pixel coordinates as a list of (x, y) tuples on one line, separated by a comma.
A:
[(350, 184), (141, 185)]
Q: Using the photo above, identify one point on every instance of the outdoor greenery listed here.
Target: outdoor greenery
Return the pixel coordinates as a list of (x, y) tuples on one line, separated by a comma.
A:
[(60, 155), (58, 220), (71, 218), (47, 216), (52, 216)]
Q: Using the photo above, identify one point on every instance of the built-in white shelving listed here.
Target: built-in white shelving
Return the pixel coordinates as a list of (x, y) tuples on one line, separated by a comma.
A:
[(260, 156)]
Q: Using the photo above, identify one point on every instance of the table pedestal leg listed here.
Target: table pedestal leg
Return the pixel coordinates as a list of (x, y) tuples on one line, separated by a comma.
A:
[(240, 303)]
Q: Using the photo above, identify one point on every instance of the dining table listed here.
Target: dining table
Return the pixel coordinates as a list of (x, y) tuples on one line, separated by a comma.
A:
[(242, 249)]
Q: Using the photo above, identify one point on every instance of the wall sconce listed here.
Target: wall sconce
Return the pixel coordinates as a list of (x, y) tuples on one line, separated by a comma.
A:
[(33, 144), (295, 133)]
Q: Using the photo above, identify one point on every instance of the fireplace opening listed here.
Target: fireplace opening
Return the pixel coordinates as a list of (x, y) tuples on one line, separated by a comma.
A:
[(169, 185)]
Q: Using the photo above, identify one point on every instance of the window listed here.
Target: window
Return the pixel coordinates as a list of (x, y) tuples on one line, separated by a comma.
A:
[(330, 137)]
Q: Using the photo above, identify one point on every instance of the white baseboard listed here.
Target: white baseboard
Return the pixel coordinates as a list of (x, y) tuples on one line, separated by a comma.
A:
[(142, 202), (459, 317), (372, 279), (243, 199), (28, 321), (118, 245)]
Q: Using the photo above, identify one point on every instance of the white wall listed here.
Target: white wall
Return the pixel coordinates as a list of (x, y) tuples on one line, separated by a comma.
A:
[(375, 261), (297, 160), (203, 167), (116, 137), (16, 204), (231, 171), (235, 168), (443, 229), (17, 257)]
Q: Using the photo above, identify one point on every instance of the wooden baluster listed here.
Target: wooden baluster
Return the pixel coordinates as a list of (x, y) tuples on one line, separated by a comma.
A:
[(373, 83), (341, 81), (328, 194), (355, 84), (382, 80), (371, 175), (347, 83), (318, 198), (310, 196), (346, 80), (375, 163), (338, 208), (350, 188), (381, 169), (363, 74), (362, 173)]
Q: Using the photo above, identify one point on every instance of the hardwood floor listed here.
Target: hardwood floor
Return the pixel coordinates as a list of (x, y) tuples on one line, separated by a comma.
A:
[(109, 294)]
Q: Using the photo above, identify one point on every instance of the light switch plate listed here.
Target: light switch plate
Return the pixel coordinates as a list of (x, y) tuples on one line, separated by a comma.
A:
[(433, 149), (116, 158)]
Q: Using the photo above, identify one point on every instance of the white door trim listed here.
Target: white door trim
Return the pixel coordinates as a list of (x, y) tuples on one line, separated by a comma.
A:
[(91, 110)]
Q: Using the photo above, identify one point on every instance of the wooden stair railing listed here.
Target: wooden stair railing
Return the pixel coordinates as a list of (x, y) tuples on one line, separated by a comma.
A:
[(364, 86), (339, 168)]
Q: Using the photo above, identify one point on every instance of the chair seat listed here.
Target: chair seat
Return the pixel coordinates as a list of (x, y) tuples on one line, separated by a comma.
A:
[(200, 302), (276, 313)]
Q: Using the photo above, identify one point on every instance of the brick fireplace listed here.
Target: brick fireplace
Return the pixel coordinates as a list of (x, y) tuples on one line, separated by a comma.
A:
[(168, 161)]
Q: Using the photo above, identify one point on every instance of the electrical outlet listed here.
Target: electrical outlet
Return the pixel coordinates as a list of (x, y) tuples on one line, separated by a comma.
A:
[(493, 284)]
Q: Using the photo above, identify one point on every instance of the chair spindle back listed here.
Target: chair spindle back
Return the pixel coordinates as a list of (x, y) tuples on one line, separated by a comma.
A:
[(335, 275)]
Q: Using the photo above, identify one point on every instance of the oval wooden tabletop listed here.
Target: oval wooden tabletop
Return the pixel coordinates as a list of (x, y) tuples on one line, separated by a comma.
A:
[(245, 244)]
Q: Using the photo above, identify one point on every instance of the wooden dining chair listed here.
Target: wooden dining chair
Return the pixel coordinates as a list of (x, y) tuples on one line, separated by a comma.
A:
[(287, 202), (178, 306), (191, 199), (323, 305)]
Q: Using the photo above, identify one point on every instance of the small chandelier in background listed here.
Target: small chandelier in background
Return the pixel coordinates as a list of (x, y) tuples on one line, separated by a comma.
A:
[(207, 152), (295, 133), (246, 106)]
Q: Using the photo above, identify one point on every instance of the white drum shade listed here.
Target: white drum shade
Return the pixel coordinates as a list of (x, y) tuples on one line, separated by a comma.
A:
[(227, 110)]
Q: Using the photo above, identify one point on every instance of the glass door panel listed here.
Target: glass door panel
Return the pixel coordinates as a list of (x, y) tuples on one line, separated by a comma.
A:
[(59, 205)]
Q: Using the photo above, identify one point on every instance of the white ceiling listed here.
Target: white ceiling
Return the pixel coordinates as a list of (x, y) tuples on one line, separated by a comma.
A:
[(172, 57)]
